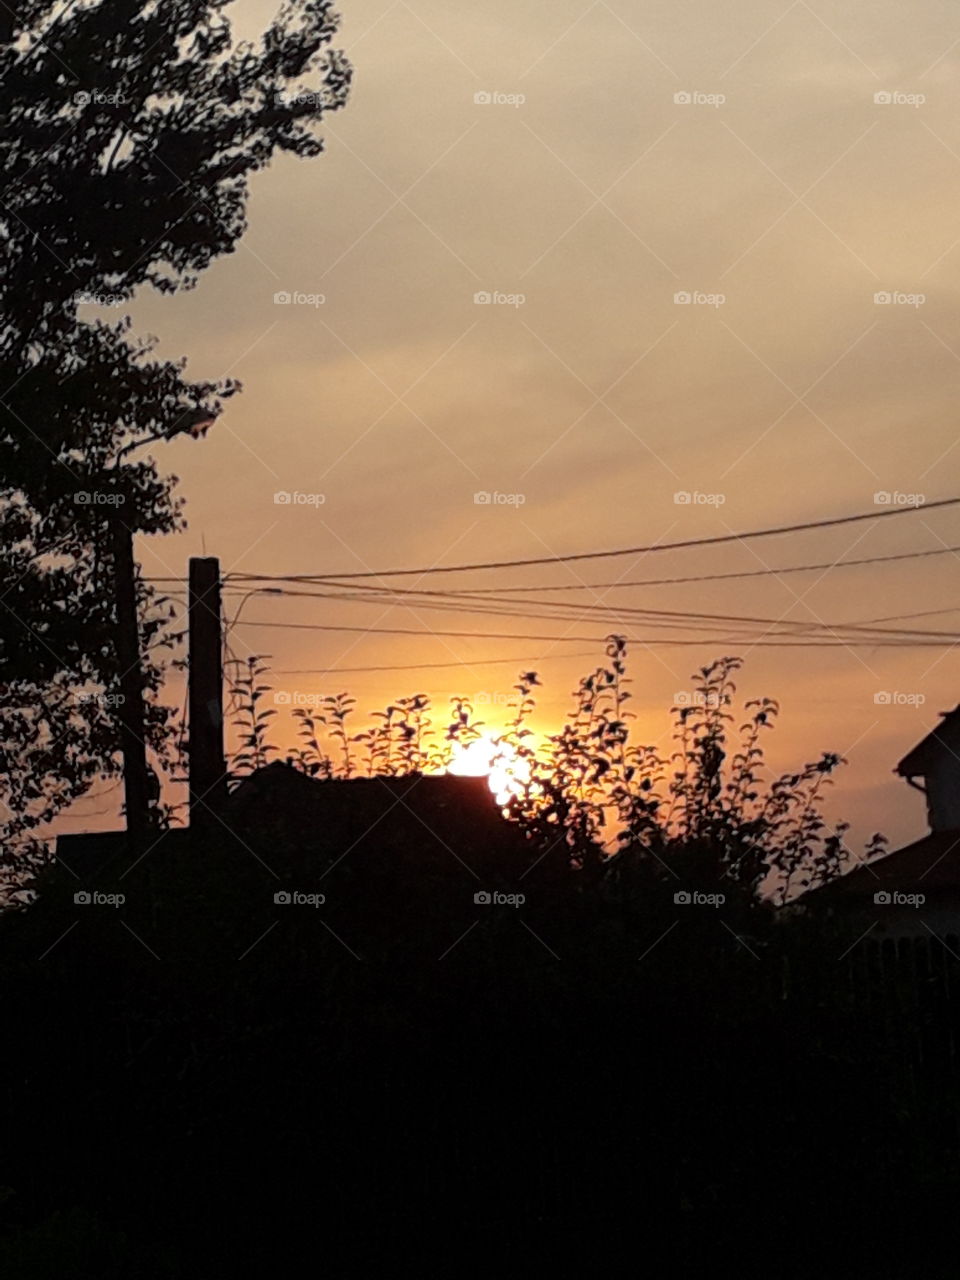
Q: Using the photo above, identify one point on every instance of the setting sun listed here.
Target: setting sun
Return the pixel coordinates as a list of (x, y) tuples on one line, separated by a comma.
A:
[(506, 772)]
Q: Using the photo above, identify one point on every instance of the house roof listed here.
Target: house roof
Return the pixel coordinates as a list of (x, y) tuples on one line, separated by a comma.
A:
[(421, 819), (399, 865), (917, 761), (280, 792), (930, 865), (443, 819)]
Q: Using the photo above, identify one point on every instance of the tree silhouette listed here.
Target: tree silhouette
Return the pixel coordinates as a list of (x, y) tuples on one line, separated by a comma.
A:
[(128, 135), (595, 802)]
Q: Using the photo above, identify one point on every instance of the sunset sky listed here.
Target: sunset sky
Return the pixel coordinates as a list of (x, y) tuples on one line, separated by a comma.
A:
[(777, 182)]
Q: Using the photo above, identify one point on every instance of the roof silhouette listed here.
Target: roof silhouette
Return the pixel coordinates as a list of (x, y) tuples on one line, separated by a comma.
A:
[(918, 760)]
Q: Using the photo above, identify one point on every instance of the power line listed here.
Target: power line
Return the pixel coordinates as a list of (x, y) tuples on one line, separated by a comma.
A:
[(777, 571), (922, 613), (697, 577), (413, 631), (651, 617), (433, 666), (603, 555), (570, 613), (873, 640)]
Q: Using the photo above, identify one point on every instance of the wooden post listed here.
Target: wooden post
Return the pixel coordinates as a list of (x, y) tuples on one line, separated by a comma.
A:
[(208, 783), (136, 787)]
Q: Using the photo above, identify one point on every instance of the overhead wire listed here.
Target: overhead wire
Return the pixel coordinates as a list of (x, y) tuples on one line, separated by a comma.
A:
[(876, 639), (649, 549), (685, 619)]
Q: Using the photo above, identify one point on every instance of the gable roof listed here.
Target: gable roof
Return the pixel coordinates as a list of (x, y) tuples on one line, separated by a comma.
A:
[(943, 738)]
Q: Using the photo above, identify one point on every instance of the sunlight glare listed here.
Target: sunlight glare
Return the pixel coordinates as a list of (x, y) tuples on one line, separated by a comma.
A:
[(504, 770)]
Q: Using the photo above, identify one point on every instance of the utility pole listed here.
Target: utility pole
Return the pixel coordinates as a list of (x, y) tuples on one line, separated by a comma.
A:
[(136, 784), (208, 782), (139, 785)]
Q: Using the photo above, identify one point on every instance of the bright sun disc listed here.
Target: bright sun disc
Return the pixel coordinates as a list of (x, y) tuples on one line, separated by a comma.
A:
[(505, 771)]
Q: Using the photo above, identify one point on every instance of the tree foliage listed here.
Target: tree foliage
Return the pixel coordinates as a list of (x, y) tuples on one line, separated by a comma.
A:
[(129, 133), (709, 813)]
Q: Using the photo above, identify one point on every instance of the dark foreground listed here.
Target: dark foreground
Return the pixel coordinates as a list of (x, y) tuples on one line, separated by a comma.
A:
[(202, 1082)]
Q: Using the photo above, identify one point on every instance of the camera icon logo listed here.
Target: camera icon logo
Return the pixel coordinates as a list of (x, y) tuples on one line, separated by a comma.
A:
[(682, 498), (883, 98), (82, 499), (882, 498), (683, 299), (482, 899), (483, 299), (483, 98), (282, 898), (883, 299), (882, 699), (282, 498), (882, 898), (281, 299), (482, 499), (283, 698), (82, 898), (683, 99), (681, 898)]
